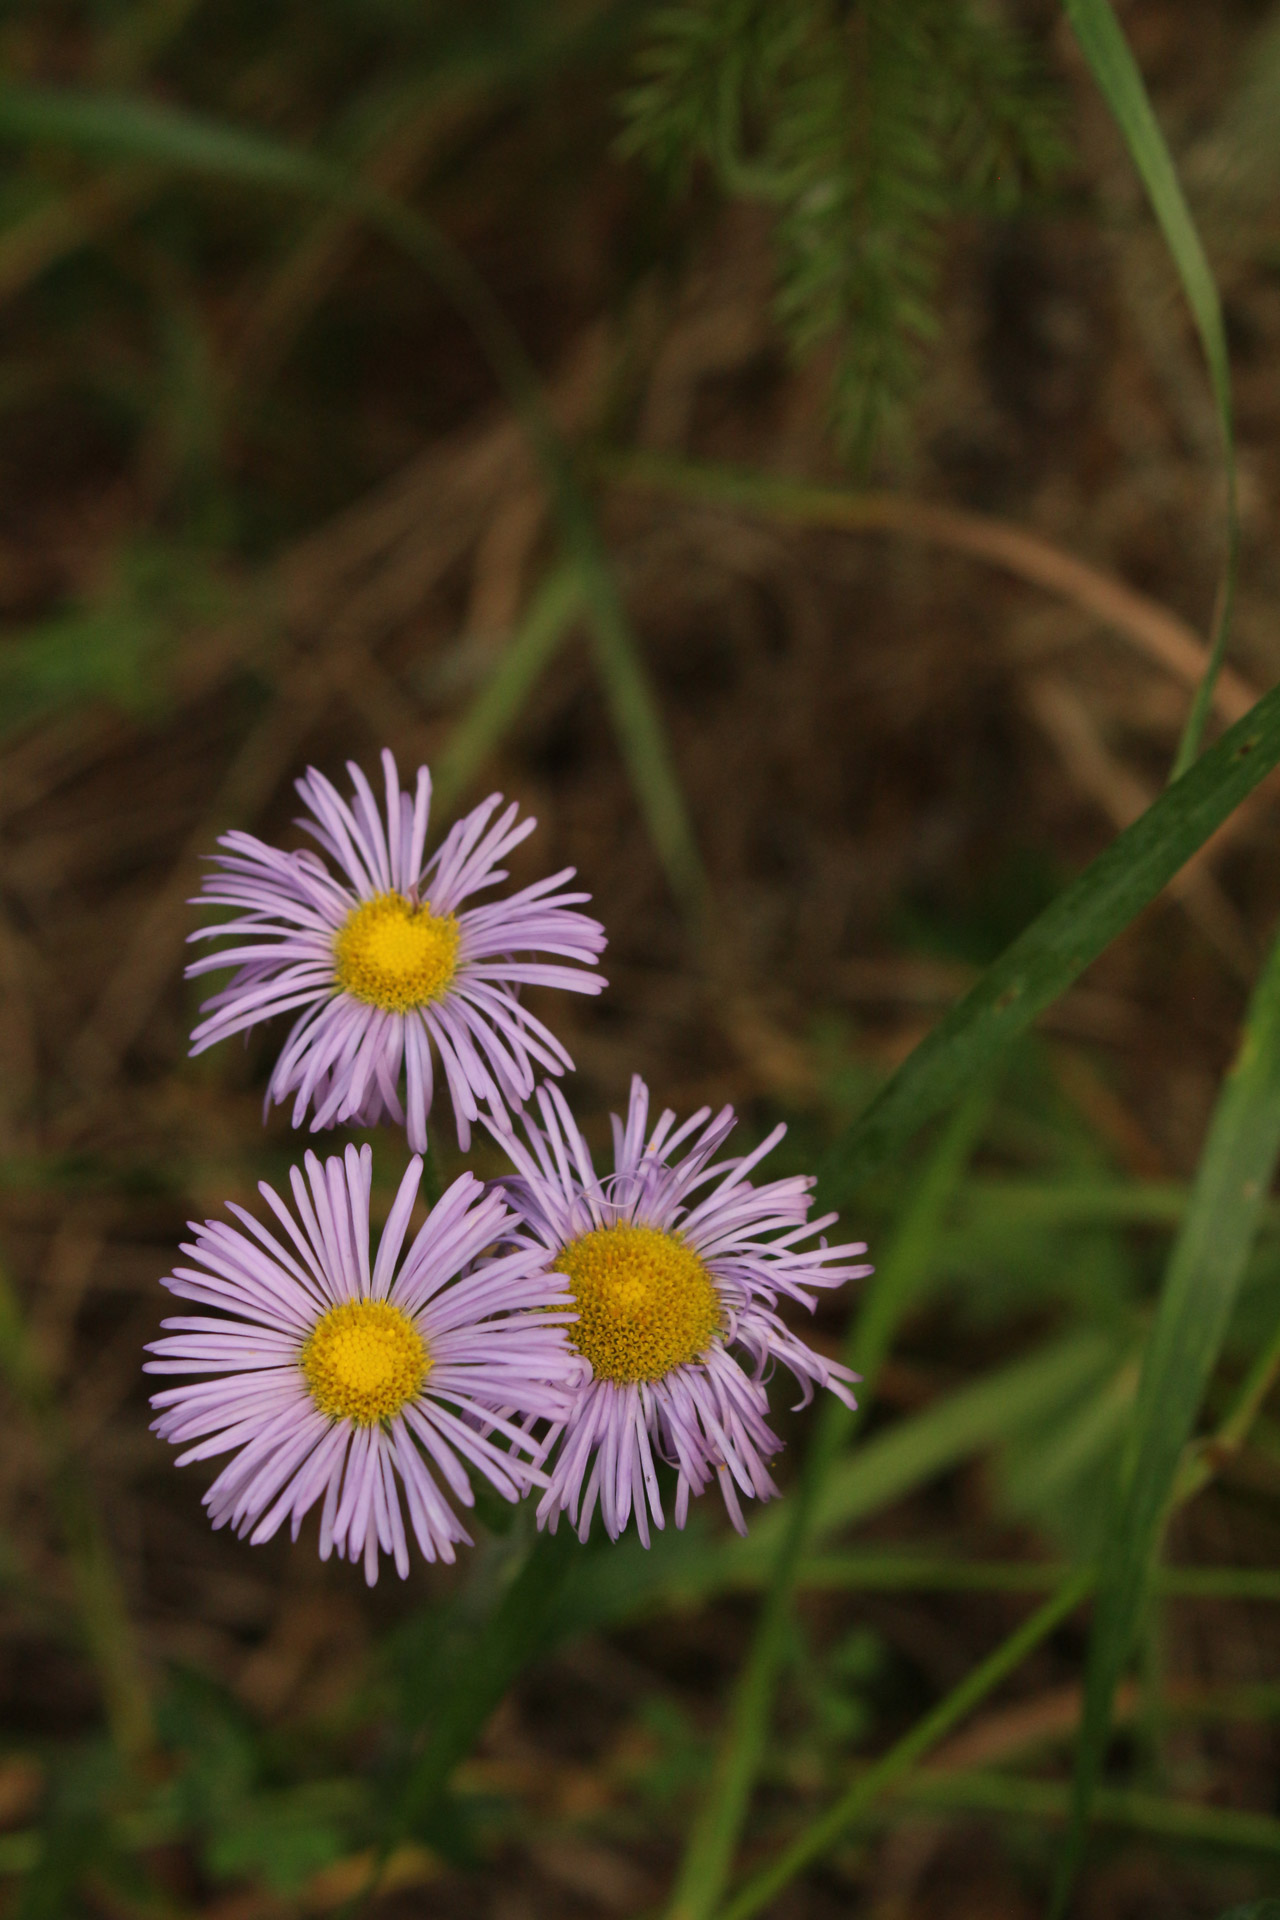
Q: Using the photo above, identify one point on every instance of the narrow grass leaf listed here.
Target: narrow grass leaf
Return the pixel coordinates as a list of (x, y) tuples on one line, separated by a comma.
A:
[(1057, 947), (1199, 1292), (497, 706), (1116, 71), (1086, 1202), (714, 1837), (124, 127), (1201, 1462), (1184, 1822), (886, 1772), (919, 1573), (690, 1566), (938, 1438)]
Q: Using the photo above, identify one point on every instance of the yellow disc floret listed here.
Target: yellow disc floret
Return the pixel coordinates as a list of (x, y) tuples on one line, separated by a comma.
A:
[(645, 1302), (393, 955), (363, 1360)]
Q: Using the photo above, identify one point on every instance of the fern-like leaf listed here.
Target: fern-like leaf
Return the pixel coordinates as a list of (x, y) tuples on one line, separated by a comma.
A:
[(865, 126)]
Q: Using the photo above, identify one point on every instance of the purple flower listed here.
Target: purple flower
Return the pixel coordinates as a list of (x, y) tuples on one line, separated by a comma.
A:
[(385, 963), (332, 1380), (672, 1266)]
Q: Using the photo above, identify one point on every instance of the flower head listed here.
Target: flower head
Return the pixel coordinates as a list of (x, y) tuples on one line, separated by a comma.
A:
[(339, 1379), (383, 964), (676, 1268)]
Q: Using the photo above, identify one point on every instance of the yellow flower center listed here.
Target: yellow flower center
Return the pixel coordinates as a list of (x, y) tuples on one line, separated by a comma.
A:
[(393, 955), (363, 1360), (645, 1302)]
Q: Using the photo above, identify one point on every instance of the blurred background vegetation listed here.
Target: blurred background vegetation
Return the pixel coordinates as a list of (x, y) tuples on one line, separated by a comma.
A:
[(894, 457)]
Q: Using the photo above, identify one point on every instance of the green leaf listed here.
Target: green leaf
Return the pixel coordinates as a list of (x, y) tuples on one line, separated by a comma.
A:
[(1116, 71), (892, 1572), (1057, 947), (1203, 1279), (115, 649), (912, 1451), (1183, 1822), (1051, 1472), (556, 605), (864, 129), (76, 1833), (606, 1586), (284, 1836), (212, 1734)]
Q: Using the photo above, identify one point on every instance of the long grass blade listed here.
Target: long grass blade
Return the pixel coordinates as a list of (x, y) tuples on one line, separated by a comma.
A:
[(1200, 1289), (1116, 71), (1057, 947), (686, 1567), (885, 1773), (555, 607), (124, 127), (913, 1451), (1044, 1802), (714, 1837), (919, 1573)]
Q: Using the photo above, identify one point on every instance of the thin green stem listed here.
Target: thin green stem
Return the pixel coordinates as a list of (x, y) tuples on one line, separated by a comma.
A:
[(713, 1840), (1250, 1399), (1202, 1283), (885, 1773), (918, 1573), (1203, 1458), (1043, 1801), (1120, 81), (1193, 733), (555, 606)]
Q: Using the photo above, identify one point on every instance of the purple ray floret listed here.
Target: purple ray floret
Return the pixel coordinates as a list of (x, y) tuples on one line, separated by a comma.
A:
[(678, 1267), (362, 1380), (385, 967)]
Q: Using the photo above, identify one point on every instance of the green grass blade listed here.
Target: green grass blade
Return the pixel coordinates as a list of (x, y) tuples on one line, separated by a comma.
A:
[(1043, 1802), (938, 1438), (1074, 1202), (1116, 71), (1057, 947), (921, 1573), (124, 127), (1202, 1281), (637, 719), (555, 607), (713, 1839), (885, 1773), (691, 1566)]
